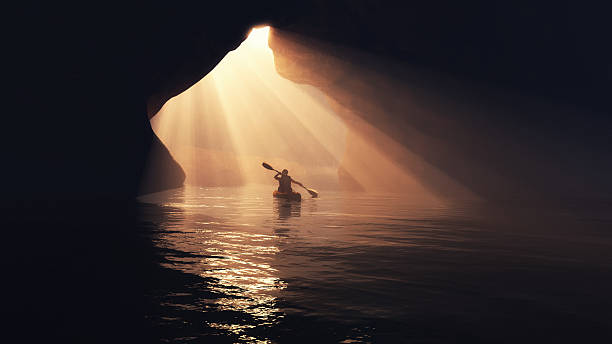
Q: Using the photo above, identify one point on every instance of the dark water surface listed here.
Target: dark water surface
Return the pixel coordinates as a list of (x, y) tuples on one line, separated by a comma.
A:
[(233, 265), (239, 266)]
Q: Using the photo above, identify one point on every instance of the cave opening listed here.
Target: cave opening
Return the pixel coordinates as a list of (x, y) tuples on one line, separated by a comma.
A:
[(242, 113), (311, 107)]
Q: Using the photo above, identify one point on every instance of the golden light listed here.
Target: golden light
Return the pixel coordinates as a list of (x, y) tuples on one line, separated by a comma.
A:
[(243, 112), (258, 37)]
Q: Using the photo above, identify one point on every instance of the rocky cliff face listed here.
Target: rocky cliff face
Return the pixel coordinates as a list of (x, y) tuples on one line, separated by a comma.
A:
[(498, 101), (449, 137), (84, 79)]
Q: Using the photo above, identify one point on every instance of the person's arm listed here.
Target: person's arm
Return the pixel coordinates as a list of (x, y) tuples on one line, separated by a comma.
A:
[(296, 182), (277, 176)]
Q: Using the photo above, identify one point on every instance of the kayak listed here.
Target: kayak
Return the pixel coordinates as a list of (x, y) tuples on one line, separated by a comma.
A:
[(294, 196)]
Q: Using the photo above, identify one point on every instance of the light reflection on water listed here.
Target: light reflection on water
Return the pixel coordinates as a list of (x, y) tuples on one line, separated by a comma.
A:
[(238, 254), (353, 259)]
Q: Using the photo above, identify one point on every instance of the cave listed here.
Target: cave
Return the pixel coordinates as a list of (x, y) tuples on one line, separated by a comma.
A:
[(494, 103), (482, 106)]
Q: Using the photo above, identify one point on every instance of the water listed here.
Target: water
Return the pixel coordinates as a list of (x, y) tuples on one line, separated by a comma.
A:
[(352, 268)]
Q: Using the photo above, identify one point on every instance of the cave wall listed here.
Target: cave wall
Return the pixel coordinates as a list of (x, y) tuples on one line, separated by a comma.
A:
[(502, 100), (83, 79), (555, 49), (459, 139)]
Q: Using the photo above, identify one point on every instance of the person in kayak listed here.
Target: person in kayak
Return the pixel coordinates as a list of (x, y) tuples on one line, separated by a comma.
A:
[(284, 182)]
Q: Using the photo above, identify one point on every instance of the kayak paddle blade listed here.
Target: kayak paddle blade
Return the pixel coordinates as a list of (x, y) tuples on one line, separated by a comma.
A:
[(312, 193)]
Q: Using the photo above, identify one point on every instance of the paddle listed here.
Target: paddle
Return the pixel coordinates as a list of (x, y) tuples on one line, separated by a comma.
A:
[(312, 192)]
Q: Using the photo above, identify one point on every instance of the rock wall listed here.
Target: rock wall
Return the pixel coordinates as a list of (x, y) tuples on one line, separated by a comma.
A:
[(485, 107), (84, 80)]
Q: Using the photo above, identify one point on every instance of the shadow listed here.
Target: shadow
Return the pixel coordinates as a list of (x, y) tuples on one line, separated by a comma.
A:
[(83, 274)]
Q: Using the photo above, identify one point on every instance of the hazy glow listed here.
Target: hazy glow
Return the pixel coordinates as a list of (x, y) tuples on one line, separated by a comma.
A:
[(243, 113)]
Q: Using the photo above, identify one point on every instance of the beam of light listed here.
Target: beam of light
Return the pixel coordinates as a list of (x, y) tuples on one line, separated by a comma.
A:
[(243, 112), (401, 136)]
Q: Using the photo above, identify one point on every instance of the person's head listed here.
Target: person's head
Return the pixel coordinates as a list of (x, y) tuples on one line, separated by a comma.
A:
[(285, 172)]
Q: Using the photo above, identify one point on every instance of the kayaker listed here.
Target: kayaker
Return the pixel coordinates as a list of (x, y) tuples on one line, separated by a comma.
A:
[(284, 182)]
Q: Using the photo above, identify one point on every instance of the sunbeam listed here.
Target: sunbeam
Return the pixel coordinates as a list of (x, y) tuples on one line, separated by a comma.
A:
[(243, 113)]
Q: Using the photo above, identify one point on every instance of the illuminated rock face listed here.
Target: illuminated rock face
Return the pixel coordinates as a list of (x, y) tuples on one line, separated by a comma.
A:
[(387, 148), (451, 138)]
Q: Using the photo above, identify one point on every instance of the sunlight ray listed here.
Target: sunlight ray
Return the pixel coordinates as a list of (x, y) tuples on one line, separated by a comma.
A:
[(244, 112)]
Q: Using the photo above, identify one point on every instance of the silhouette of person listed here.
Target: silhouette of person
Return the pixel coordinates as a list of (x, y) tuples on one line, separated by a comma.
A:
[(284, 182)]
